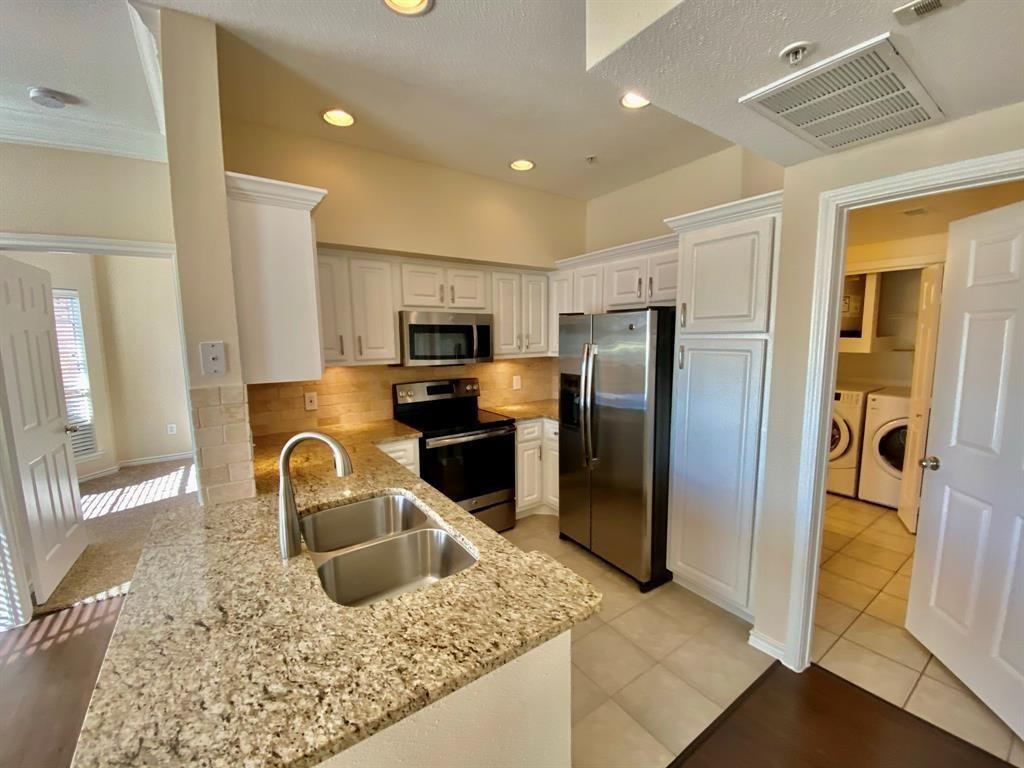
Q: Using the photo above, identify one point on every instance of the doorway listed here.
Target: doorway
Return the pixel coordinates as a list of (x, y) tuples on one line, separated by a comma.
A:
[(889, 312)]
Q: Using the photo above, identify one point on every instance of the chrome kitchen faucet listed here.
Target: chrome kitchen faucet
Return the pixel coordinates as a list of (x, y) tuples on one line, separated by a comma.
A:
[(287, 515)]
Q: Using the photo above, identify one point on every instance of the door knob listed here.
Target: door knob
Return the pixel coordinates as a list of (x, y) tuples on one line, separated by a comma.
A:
[(70, 429), (929, 462)]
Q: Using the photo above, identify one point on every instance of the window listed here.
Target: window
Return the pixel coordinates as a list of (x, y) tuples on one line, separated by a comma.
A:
[(74, 369)]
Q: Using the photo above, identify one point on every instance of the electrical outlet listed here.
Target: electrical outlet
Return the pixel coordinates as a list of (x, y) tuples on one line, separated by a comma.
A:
[(211, 355), (517, 382), (172, 429), (311, 402)]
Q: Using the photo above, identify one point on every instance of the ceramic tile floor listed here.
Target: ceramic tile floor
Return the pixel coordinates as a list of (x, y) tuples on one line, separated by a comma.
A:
[(649, 672), (866, 560)]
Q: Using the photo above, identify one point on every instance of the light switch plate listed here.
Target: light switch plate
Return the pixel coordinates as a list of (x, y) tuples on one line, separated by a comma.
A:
[(311, 401), (211, 354), (517, 382), (172, 429)]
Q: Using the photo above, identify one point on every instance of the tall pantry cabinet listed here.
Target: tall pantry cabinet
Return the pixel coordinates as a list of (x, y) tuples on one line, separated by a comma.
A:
[(727, 261)]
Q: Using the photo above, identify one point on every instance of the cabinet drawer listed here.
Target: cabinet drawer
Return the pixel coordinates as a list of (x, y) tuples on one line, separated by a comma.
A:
[(527, 431), (550, 429), (405, 452)]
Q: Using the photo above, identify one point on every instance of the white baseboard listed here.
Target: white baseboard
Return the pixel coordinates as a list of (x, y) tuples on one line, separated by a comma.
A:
[(100, 473), (725, 605), (540, 509), (765, 644), (156, 459)]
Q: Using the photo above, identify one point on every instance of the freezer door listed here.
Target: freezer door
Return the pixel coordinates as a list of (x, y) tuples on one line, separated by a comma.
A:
[(574, 334), (622, 435)]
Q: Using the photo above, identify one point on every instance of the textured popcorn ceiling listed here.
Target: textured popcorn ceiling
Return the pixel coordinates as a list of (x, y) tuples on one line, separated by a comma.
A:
[(700, 57)]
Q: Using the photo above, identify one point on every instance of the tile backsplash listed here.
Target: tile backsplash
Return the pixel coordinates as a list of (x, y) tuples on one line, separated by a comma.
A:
[(358, 394)]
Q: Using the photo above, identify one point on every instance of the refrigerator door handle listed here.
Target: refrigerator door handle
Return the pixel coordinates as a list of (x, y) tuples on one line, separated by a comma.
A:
[(592, 459), (583, 403)]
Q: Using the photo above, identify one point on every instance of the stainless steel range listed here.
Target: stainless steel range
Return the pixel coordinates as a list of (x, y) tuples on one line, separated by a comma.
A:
[(466, 453)]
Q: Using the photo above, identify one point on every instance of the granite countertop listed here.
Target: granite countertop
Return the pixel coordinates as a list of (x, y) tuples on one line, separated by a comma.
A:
[(537, 409), (225, 656)]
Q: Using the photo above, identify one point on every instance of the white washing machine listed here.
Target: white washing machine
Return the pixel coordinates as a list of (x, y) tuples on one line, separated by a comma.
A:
[(848, 408), (885, 443)]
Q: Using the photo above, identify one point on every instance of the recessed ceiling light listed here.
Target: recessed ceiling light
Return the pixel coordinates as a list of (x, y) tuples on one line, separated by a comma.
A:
[(521, 165), (633, 100), (46, 97), (338, 117), (409, 7)]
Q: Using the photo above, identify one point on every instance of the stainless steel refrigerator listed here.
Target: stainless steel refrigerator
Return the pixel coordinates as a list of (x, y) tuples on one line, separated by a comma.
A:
[(615, 401)]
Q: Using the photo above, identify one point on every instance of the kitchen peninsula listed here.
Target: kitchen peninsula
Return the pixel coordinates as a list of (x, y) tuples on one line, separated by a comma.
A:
[(225, 656)]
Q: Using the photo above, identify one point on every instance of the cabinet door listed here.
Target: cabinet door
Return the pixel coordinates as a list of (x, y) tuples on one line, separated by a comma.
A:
[(625, 283), (373, 310), (535, 313), (724, 277), (423, 285), (467, 288), (715, 439), (559, 300), (335, 309), (662, 276), (588, 290), (529, 481), (507, 291), (549, 469)]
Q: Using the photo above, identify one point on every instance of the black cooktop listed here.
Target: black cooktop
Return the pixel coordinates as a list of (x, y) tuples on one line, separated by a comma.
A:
[(439, 422)]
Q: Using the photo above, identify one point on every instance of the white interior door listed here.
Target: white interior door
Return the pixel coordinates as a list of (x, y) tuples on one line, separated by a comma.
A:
[(38, 417), (967, 590)]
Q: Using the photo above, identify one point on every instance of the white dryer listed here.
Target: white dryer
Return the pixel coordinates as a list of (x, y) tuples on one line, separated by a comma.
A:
[(848, 407), (885, 443)]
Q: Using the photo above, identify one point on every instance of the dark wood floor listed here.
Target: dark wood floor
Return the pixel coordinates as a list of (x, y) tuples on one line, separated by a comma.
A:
[(818, 720), (48, 669)]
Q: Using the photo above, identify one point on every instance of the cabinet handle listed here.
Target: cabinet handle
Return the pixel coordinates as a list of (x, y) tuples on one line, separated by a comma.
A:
[(650, 287), (682, 356), (453, 294), (440, 292), (359, 345), (519, 341), (540, 453), (341, 343), (527, 341), (639, 287), (682, 315)]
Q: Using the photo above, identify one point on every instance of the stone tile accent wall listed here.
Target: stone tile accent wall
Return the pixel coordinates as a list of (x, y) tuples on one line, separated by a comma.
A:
[(359, 394), (223, 443)]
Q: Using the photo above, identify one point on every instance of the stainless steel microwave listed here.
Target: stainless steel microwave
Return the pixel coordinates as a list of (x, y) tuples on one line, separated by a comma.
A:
[(445, 338)]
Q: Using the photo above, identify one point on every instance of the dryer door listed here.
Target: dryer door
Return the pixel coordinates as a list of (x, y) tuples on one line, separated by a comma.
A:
[(840, 440), (889, 445)]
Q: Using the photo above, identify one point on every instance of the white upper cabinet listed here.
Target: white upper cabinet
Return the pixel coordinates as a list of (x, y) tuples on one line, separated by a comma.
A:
[(374, 315), (335, 309), (273, 255), (432, 286), (467, 288), (625, 283), (559, 301), (662, 277), (725, 277), (588, 290), (507, 291), (535, 313), (423, 285)]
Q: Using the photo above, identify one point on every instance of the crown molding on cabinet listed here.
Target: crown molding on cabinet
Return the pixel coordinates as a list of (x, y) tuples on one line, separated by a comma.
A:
[(62, 132), (761, 205), (17, 241), (647, 247), (254, 189)]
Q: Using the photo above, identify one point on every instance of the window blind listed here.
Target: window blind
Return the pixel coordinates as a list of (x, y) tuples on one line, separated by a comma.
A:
[(74, 369)]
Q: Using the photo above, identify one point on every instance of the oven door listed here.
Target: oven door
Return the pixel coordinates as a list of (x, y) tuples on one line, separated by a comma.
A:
[(477, 470), (445, 338)]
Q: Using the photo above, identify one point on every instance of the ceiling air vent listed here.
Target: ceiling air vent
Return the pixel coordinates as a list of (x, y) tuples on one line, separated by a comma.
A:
[(862, 94)]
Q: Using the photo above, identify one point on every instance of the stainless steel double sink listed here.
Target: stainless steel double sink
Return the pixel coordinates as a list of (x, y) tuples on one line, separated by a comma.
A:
[(377, 548)]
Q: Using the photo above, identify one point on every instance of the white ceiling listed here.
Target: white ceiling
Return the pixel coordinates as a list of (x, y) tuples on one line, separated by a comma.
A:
[(84, 48), (471, 85), (699, 58)]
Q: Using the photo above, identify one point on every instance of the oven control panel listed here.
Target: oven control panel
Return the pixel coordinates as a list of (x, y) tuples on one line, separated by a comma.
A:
[(443, 389)]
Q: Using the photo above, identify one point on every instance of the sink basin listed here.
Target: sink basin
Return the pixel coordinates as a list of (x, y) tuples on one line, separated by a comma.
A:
[(359, 522), (392, 566)]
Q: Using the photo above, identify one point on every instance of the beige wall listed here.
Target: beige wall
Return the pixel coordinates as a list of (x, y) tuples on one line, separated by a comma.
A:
[(380, 201), (359, 394), (639, 211), (64, 192), (988, 133), (142, 341)]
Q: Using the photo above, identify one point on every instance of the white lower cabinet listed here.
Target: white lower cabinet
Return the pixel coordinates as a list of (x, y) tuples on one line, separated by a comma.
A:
[(536, 464), (716, 421), (405, 452)]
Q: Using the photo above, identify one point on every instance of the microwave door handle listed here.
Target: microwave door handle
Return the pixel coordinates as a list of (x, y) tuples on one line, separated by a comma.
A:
[(476, 340)]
